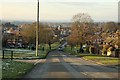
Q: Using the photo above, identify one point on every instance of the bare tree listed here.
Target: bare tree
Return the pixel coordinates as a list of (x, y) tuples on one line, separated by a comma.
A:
[(81, 27), (45, 33), (28, 32), (82, 18)]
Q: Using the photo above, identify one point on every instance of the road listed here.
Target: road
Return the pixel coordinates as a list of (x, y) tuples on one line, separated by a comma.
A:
[(61, 65)]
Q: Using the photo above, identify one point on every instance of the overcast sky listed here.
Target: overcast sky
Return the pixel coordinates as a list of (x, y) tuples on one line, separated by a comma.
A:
[(58, 10)]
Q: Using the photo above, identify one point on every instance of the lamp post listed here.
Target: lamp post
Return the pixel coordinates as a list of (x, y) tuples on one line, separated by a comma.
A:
[(37, 28)]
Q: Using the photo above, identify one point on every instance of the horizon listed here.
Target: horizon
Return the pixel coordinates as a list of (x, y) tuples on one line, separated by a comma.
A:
[(59, 10), (31, 21)]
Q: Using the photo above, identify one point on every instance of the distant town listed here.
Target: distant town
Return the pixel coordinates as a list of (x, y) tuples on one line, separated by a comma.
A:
[(12, 37)]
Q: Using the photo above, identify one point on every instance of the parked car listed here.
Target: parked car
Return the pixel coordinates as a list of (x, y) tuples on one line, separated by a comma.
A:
[(11, 46), (60, 48)]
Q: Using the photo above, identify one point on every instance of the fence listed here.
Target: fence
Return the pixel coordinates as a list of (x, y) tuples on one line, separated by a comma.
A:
[(18, 54), (9, 52)]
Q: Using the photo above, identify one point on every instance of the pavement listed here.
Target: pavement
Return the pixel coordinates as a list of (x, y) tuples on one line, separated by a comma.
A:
[(62, 65)]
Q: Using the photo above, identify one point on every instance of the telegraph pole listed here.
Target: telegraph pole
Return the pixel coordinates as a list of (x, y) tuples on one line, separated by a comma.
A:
[(37, 27)]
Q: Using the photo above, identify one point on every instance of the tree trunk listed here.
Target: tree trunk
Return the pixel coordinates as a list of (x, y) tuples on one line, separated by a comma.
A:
[(49, 45)]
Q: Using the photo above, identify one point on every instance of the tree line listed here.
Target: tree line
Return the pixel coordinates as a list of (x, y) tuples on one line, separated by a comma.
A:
[(28, 32)]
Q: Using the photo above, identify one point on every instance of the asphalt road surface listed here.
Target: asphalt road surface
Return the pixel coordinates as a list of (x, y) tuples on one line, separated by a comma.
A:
[(61, 65)]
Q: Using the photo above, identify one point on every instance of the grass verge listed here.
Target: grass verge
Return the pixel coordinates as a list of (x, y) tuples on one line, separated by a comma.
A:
[(55, 45), (94, 57), (41, 55), (14, 69), (71, 52), (102, 59)]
